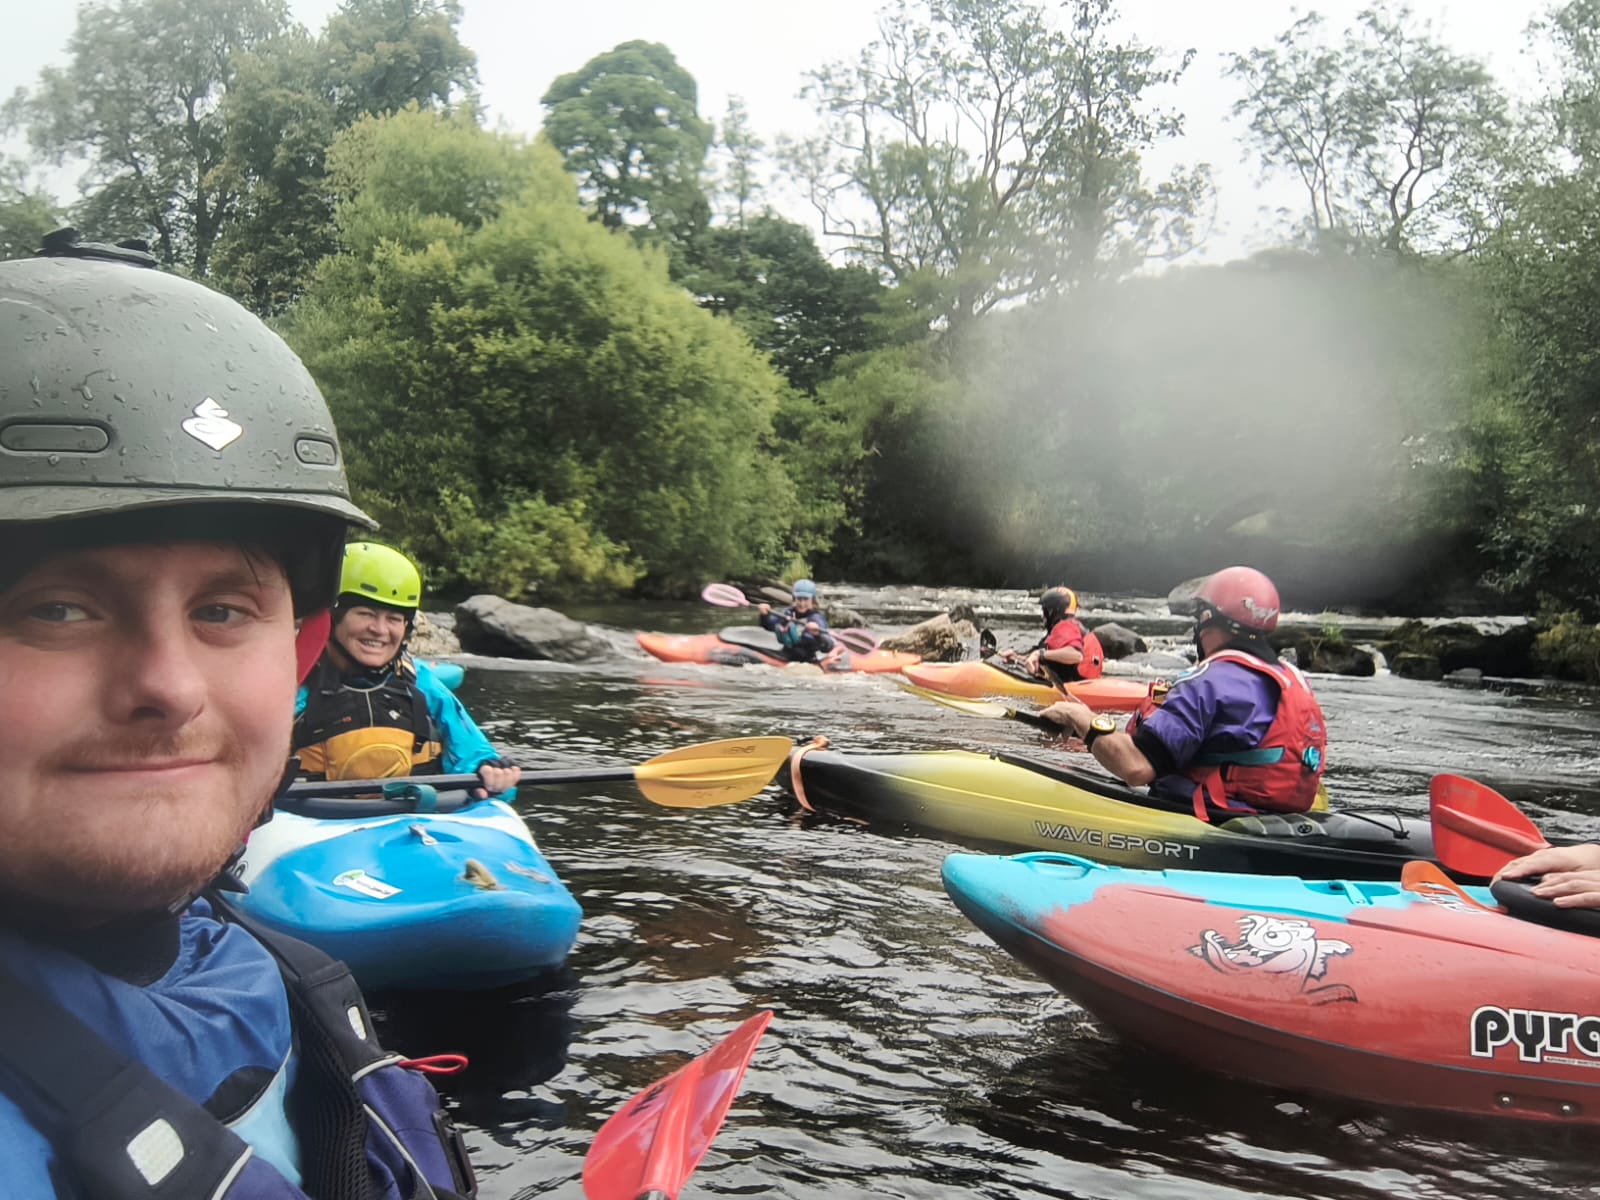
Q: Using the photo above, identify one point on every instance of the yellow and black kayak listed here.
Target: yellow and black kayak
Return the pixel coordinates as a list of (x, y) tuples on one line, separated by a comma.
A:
[(974, 679), (1011, 802)]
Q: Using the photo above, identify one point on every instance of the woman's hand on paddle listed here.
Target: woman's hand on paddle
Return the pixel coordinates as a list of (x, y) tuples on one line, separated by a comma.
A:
[(1032, 663), (496, 778), (764, 609)]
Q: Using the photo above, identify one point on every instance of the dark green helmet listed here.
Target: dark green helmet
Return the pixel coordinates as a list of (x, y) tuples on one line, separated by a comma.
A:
[(126, 388)]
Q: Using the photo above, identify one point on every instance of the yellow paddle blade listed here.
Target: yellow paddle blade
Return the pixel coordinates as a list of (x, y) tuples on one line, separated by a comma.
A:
[(1320, 804), (712, 773), (976, 708)]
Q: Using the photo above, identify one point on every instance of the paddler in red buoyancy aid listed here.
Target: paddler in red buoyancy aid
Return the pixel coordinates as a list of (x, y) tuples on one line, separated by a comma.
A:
[(172, 510), (1240, 732), (1067, 652), (369, 710)]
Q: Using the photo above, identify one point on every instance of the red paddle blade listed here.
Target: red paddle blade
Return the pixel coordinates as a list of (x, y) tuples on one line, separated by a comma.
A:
[(723, 595), (655, 1141), (311, 640), (1476, 830), (1426, 879)]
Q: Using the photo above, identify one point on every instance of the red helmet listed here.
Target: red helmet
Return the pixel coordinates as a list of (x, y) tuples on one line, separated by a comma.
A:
[(1242, 596)]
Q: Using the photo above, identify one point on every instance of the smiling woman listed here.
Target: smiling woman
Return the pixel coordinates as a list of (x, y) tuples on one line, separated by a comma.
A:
[(371, 711)]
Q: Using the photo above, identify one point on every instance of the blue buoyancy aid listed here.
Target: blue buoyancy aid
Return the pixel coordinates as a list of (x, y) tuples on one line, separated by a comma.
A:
[(74, 1042)]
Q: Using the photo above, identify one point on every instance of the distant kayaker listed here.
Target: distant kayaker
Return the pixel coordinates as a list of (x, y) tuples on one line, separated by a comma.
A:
[(1240, 732), (802, 628), (1067, 652), (368, 710), (173, 510)]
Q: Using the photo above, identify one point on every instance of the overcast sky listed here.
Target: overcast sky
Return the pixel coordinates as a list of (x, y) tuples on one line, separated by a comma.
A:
[(759, 49)]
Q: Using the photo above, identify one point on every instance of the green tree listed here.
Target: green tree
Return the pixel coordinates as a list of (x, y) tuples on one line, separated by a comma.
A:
[(1534, 450), (515, 383), (27, 211), (628, 125), (288, 100), (741, 148), (138, 102), (1394, 137), (975, 144), (769, 276)]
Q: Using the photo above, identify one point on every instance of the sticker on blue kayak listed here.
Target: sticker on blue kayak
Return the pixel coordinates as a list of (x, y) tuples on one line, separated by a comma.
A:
[(359, 881), (527, 872)]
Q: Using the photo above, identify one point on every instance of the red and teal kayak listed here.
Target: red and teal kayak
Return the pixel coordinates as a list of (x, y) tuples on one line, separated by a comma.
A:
[(753, 646), (1388, 993), (976, 679)]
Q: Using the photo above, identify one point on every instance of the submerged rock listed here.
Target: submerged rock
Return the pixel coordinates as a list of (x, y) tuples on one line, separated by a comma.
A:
[(494, 625)]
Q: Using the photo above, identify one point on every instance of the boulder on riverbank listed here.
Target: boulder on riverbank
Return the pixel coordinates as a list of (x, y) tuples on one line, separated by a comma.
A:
[(429, 639), (495, 626), (1504, 649), (1118, 641), (1317, 650), (938, 639)]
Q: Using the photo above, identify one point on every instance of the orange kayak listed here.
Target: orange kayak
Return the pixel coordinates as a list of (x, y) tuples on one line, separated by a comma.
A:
[(746, 646), (975, 679)]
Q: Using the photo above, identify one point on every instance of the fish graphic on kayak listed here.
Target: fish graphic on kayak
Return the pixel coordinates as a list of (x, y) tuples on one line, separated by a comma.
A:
[(1280, 947)]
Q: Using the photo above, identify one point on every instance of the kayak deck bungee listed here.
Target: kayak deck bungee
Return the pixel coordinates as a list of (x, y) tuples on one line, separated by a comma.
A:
[(444, 899), (1365, 991), (1011, 802), (742, 646), (974, 680)]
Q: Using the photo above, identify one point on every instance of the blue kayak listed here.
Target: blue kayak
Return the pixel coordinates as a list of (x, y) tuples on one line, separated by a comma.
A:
[(455, 898), (449, 674)]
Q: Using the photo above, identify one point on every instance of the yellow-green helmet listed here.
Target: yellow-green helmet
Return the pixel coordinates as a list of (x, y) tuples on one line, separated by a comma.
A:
[(381, 573)]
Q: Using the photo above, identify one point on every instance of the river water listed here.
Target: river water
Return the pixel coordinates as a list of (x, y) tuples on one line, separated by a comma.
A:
[(910, 1057)]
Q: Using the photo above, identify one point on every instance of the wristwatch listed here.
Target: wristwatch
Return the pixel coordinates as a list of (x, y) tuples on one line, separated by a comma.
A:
[(1101, 724)]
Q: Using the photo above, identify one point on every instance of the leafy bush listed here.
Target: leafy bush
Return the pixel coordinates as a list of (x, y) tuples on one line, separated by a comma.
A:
[(1568, 646)]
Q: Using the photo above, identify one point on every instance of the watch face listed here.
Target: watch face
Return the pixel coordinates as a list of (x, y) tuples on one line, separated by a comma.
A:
[(1103, 724)]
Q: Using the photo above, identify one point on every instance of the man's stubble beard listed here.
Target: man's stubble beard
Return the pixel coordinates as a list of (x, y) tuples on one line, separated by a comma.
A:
[(127, 878)]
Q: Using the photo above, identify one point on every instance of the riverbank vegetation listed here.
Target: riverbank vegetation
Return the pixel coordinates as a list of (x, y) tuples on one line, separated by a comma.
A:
[(598, 359)]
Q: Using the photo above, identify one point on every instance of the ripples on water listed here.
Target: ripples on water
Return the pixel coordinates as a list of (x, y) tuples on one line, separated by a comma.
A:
[(909, 1056)]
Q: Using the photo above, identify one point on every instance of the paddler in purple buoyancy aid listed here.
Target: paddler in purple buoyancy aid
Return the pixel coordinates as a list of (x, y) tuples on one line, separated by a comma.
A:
[(802, 628), (1240, 732), (172, 512)]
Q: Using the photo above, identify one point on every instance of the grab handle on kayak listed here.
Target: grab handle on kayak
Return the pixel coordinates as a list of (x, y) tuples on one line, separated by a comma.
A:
[(419, 797), (1060, 859)]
